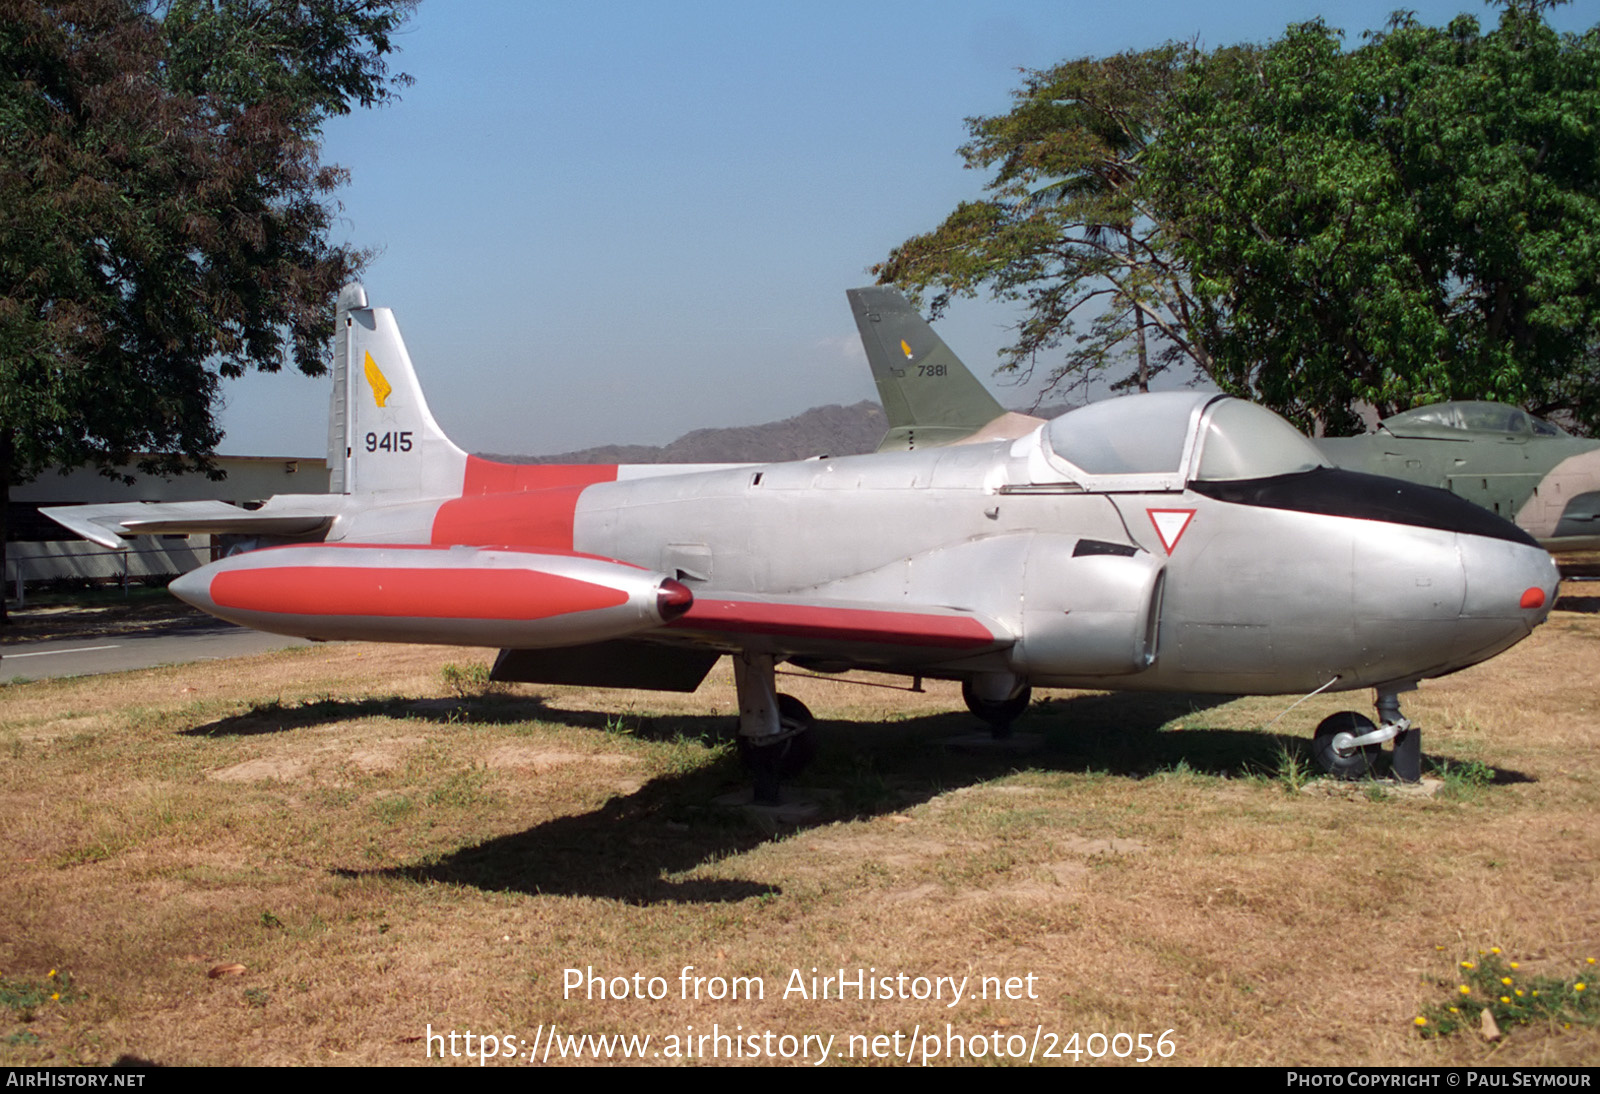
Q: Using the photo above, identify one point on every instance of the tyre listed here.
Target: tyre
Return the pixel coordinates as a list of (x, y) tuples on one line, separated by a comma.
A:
[(999, 715), (790, 751), (1354, 763)]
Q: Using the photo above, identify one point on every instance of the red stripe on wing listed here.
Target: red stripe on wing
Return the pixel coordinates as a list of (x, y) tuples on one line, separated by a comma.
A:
[(838, 624)]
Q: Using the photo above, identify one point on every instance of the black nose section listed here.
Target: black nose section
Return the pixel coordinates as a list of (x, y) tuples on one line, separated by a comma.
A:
[(1335, 492)]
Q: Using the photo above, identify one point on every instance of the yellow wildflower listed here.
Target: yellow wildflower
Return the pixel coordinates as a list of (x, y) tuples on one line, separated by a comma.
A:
[(1464, 990), (1468, 965), (1421, 1021), (1505, 999), (56, 995), (1579, 986), (1506, 980), (1494, 949), (1514, 965)]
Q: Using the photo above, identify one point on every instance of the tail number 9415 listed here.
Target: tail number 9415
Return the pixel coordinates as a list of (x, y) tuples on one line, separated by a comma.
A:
[(389, 442)]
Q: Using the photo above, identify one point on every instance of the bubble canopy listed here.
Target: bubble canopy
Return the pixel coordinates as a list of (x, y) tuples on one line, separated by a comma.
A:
[(1162, 440), (1470, 416)]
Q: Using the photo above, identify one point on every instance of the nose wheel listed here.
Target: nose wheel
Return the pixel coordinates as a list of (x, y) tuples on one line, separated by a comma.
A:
[(1347, 745), (1334, 751)]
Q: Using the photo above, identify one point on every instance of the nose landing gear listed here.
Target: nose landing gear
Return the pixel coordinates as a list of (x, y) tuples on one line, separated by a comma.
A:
[(1347, 745)]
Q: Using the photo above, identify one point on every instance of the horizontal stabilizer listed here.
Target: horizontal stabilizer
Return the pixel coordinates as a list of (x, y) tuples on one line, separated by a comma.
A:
[(110, 523)]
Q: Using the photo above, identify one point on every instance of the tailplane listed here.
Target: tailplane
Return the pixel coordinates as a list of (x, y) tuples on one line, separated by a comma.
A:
[(382, 439)]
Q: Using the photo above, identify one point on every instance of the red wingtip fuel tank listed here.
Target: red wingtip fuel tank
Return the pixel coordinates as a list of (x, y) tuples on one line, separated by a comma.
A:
[(449, 595)]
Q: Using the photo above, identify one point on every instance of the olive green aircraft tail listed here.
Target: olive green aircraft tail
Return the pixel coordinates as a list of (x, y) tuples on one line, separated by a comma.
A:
[(928, 395)]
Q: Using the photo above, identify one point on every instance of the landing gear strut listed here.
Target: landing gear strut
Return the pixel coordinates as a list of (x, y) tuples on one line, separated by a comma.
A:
[(777, 734), (998, 699), (1347, 745)]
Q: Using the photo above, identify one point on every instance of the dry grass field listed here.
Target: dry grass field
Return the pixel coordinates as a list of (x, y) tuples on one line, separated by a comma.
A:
[(320, 856)]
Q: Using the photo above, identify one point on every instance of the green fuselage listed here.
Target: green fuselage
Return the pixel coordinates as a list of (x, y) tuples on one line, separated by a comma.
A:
[(1515, 465)]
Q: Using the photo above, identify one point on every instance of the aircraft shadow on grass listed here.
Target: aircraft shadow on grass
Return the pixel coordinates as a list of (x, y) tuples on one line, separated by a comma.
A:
[(1588, 605), (636, 847)]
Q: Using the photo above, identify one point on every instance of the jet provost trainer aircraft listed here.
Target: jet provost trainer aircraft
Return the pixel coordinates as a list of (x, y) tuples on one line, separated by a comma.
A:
[(1183, 541)]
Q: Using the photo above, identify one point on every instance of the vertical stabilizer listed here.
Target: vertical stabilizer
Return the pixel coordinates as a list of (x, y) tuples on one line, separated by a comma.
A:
[(382, 439), (928, 395)]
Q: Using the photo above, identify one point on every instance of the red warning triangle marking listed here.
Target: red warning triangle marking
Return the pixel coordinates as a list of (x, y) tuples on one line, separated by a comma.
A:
[(1170, 525)]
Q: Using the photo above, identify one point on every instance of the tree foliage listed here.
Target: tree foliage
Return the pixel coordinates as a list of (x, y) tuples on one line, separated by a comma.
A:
[(1414, 220), (1313, 227), (164, 214), (1064, 228)]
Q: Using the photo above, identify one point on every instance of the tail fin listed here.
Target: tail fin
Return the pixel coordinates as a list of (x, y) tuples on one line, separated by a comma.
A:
[(381, 437), (929, 396)]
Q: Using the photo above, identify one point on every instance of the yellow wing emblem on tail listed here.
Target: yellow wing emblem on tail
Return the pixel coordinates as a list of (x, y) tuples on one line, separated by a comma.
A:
[(379, 382), (905, 349)]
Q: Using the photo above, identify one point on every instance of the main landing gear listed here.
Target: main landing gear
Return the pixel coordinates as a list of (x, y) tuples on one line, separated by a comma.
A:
[(1347, 745), (777, 734), (997, 698)]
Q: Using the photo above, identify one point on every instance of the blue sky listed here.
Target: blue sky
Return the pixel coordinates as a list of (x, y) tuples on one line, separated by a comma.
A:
[(616, 222)]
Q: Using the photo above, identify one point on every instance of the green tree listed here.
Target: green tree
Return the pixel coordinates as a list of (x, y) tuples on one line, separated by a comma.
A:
[(164, 215), (1314, 228), (1414, 220), (1066, 229)]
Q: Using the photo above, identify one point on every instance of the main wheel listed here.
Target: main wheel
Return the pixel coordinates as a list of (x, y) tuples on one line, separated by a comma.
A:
[(1339, 761), (786, 754), (999, 715)]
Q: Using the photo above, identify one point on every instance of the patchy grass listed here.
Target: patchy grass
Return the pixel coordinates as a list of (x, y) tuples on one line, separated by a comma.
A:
[(1513, 995), (386, 846)]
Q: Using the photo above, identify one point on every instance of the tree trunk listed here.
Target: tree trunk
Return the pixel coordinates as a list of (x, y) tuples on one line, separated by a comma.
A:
[(6, 452), (1138, 318), (1144, 361)]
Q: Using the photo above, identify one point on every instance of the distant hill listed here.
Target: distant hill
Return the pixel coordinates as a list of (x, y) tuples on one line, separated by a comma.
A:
[(823, 430), (820, 431)]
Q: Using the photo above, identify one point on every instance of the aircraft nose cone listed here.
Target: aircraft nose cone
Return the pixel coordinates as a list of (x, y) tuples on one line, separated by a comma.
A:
[(1507, 580)]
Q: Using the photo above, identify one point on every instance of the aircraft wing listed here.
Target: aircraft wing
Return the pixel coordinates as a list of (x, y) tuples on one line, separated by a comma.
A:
[(811, 626), (677, 656), (110, 523)]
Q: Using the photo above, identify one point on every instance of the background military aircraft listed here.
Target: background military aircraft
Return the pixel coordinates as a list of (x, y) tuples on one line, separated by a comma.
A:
[(1520, 467), (1524, 468), (1184, 541)]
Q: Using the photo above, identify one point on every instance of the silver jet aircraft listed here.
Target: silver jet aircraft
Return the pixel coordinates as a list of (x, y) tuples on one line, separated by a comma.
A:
[(1183, 541)]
